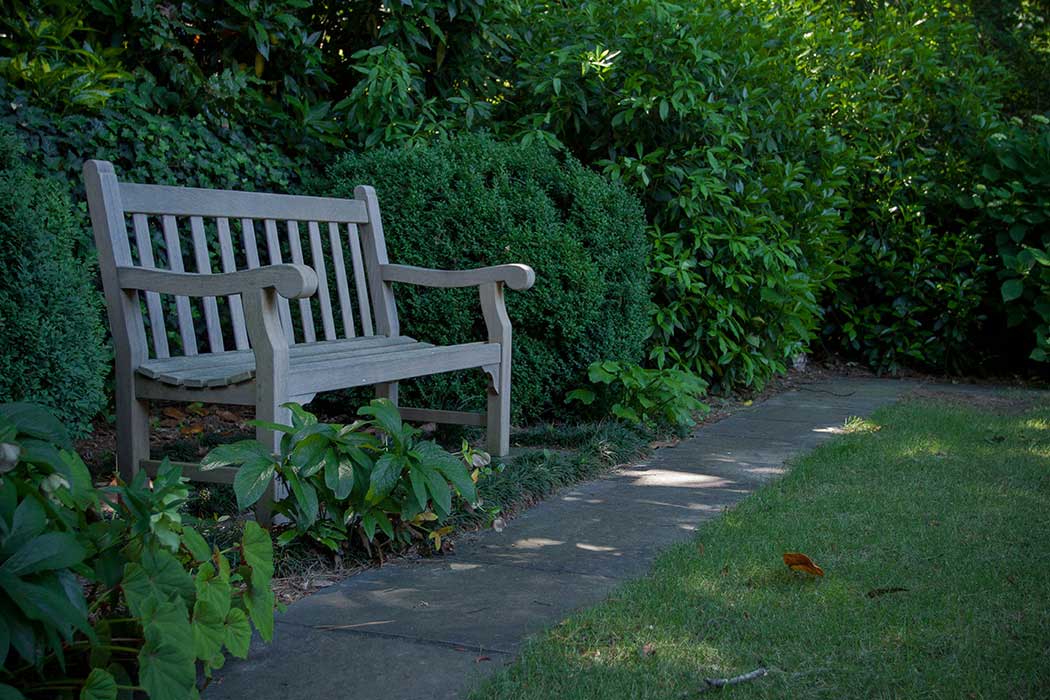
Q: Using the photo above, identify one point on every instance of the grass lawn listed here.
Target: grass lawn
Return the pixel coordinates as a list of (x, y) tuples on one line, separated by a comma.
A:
[(946, 500)]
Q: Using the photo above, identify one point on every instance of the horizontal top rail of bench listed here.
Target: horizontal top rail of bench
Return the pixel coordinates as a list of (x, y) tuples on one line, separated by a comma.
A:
[(192, 201)]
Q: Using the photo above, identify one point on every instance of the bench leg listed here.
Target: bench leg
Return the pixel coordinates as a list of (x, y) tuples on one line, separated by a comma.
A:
[(497, 417), (132, 433), (387, 390), (271, 411)]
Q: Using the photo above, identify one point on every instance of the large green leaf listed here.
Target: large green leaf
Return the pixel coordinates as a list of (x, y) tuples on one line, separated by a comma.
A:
[(28, 522), (260, 603), (252, 480), (385, 414), (167, 668), (384, 476), (235, 454), (451, 466), (308, 454), (195, 544), (439, 491), (209, 629), (36, 421), (100, 685), (214, 586), (305, 498), (158, 578), (1012, 289), (257, 548), (338, 474), (238, 633), (9, 693), (52, 550), (46, 600)]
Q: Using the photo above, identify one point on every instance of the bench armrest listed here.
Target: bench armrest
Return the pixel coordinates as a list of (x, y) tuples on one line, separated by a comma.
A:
[(291, 281), (514, 276)]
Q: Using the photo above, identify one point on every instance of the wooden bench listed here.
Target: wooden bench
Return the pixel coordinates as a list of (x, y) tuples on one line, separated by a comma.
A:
[(248, 343)]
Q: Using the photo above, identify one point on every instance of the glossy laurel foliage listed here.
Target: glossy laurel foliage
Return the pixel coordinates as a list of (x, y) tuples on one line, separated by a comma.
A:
[(107, 590), (657, 397), (51, 337), (472, 201), (372, 475)]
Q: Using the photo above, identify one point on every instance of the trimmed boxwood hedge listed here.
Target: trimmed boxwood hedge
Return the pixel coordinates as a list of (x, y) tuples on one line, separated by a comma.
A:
[(51, 335), (472, 201)]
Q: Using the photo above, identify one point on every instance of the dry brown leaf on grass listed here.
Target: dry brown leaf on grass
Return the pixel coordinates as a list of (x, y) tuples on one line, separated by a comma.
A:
[(172, 412), (797, 561)]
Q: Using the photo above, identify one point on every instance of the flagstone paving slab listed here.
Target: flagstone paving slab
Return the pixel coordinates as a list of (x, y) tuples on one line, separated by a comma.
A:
[(434, 627)]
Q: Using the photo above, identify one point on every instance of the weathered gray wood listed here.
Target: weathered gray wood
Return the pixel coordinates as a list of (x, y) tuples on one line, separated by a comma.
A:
[(290, 281), (341, 287), (192, 201), (306, 314), (430, 415), (182, 303), (497, 323), (268, 367), (514, 276), (211, 307), (157, 327), (360, 281), (373, 246), (125, 316), (273, 248), (323, 297), (229, 264), (387, 367)]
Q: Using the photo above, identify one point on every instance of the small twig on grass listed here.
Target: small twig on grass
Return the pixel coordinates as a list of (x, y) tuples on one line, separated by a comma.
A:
[(713, 683)]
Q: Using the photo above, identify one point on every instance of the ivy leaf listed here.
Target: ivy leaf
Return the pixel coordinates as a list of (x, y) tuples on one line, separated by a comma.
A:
[(158, 578), (167, 668), (238, 633), (209, 630), (100, 685), (257, 548)]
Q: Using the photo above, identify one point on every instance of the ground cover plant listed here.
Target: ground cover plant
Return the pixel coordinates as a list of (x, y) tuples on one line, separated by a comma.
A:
[(935, 587), (106, 591)]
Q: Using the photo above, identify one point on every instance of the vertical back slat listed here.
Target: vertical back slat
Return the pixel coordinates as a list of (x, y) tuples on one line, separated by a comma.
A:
[(341, 286), (273, 247), (251, 246), (229, 264), (156, 314), (323, 296), (360, 281), (211, 306), (182, 304), (306, 314)]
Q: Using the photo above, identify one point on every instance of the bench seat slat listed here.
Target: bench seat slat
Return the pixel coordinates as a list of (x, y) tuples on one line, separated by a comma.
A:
[(342, 365), (219, 369)]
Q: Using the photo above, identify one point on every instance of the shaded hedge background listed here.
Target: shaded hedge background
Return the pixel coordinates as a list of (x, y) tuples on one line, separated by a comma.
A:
[(865, 179), (473, 202)]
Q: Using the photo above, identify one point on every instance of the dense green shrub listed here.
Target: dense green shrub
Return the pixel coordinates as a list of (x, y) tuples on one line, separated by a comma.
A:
[(108, 588), (51, 338), (1014, 198), (473, 202)]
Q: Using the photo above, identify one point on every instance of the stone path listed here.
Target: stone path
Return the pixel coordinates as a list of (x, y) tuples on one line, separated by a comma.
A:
[(420, 629)]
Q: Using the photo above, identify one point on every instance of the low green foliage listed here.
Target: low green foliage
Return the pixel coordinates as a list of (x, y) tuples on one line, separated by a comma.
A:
[(51, 338), (638, 395), (374, 474), (960, 515), (108, 590), (471, 202), (1014, 199)]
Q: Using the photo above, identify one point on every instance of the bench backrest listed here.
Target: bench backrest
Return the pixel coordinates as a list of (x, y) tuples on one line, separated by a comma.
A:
[(197, 230)]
